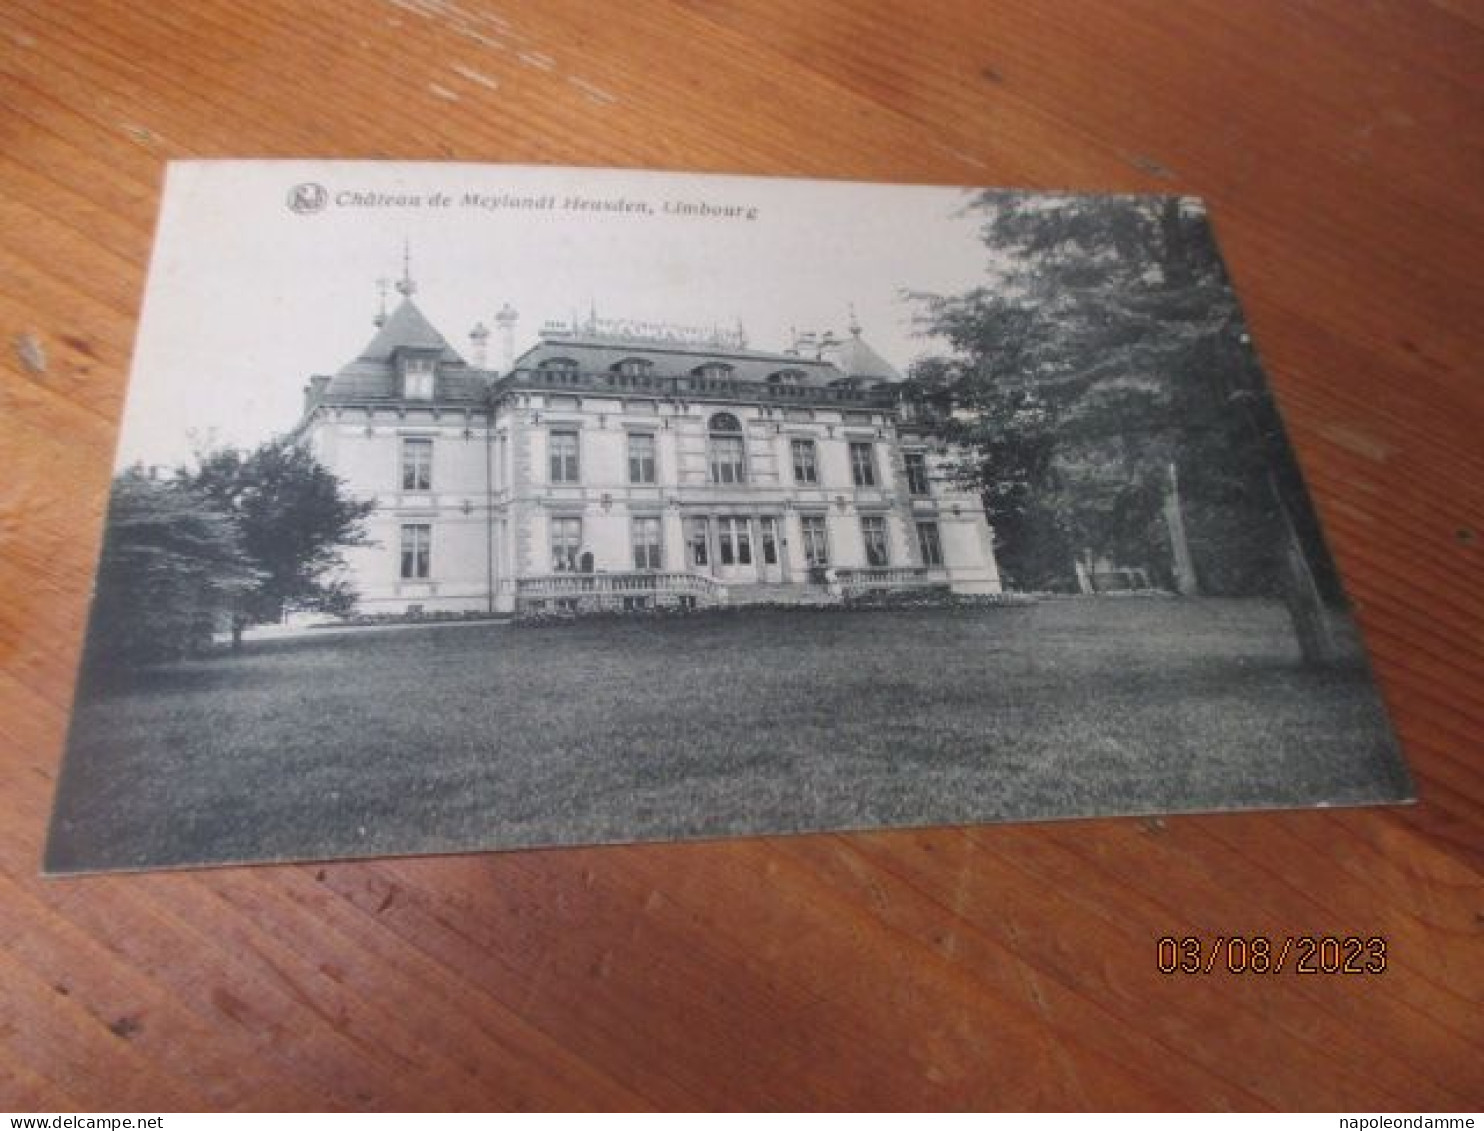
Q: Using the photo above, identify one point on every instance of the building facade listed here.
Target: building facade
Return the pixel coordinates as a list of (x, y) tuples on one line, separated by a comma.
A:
[(621, 465)]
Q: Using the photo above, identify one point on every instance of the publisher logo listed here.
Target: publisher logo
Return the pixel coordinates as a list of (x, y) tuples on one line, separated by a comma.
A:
[(308, 197)]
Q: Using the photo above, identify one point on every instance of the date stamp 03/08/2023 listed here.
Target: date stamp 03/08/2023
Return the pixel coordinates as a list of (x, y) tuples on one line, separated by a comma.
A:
[(1262, 954)]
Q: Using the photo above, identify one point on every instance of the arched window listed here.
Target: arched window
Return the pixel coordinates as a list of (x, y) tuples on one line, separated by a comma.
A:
[(633, 366), (728, 454)]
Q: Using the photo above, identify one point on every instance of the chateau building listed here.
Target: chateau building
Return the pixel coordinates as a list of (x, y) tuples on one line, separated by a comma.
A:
[(626, 465)]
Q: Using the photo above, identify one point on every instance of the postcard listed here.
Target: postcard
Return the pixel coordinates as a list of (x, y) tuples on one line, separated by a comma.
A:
[(464, 507)]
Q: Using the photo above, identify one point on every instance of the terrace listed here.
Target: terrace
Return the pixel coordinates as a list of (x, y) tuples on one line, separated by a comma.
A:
[(627, 589)]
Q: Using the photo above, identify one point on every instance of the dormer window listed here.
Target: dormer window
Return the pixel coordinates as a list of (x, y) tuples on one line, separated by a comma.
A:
[(786, 377), (713, 371), (417, 378), (634, 367), (559, 364)]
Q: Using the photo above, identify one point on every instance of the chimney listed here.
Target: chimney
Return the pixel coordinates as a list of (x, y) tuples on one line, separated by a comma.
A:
[(829, 348), (505, 322), (479, 342)]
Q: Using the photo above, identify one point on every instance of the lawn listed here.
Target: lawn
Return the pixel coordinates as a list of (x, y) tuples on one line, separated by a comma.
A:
[(484, 735)]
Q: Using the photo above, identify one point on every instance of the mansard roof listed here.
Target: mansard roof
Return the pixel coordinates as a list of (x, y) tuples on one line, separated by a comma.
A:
[(452, 383), (373, 374), (835, 365), (595, 354), (405, 328), (857, 359)]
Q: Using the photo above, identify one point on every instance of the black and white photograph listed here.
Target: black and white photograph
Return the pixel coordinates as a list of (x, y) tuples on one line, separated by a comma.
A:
[(466, 507)]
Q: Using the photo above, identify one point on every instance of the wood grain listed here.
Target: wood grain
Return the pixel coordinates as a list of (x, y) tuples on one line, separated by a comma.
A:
[(1341, 147)]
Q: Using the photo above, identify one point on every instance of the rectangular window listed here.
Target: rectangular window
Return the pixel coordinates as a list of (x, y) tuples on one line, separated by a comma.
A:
[(417, 465), (564, 467), (930, 543), (417, 551), (816, 541), (566, 542), (863, 464), (641, 457), (417, 378), (644, 533), (806, 467), (769, 538), (734, 541), (727, 460), (917, 476), (700, 553), (873, 532)]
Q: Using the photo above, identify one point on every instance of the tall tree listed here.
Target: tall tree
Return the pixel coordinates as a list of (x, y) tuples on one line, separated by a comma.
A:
[(294, 517), (171, 573), (1105, 363)]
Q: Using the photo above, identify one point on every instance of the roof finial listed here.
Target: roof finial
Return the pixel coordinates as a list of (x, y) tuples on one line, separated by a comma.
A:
[(405, 285), (382, 286), (855, 323)]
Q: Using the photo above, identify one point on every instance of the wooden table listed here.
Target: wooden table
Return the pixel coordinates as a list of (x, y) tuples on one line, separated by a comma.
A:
[(1340, 147)]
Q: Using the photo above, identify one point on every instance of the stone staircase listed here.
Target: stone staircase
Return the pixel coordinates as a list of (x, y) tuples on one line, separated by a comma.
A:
[(780, 593)]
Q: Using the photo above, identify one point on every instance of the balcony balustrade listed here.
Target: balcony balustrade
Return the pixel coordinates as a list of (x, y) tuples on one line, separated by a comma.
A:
[(600, 590), (688, 387), (859, 578)]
